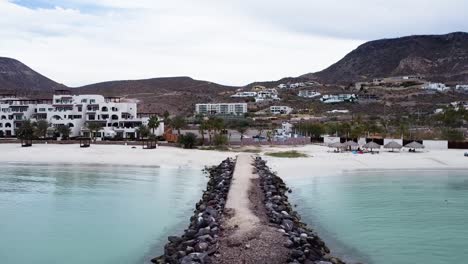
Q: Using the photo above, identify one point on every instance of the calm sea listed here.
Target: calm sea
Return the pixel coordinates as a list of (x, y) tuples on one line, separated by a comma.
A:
[(388, 217), (79, 214)]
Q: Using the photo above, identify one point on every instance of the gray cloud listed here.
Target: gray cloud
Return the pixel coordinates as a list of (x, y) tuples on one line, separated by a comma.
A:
[(237, 42)]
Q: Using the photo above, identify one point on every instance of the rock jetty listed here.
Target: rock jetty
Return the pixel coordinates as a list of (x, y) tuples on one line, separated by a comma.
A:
[(200, 240), (304, 244)]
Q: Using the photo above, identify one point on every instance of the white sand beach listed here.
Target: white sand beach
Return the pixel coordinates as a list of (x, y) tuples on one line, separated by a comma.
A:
[(112, 154), (320, 160), (323, 162)]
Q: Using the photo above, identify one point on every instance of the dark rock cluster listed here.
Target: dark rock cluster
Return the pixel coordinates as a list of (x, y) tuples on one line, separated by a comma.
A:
[(200, 240), (305, 246)]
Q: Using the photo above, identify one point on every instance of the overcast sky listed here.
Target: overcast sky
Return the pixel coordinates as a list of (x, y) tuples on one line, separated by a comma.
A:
[(78, 42)]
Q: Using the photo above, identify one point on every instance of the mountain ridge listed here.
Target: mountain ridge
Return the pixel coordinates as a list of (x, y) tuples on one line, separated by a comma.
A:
[(437, 57)]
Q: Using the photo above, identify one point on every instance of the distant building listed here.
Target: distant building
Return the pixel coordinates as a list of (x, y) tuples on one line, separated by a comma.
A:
[(282, 86), (339, 98), (338, 111), (280, 110), (462, 87), (244, 94), (221, 109), (117, 118), (308, 94), (258, 88), (267, 95), (439, 87)]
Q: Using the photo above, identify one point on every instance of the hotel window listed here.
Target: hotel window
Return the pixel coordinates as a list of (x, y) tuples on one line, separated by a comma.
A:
[(92, 101), (84, 100)]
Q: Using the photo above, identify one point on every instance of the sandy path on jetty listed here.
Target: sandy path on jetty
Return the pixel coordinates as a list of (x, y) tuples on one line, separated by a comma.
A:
[(238, 202), (247, 237)]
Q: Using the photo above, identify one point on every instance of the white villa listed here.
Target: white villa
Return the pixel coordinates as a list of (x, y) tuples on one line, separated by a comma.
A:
[(439, 87), (221, 109), (339, 98), (308, 94), (244, 94), (462, 87), (267, 95), (280, 110), (117, 118)]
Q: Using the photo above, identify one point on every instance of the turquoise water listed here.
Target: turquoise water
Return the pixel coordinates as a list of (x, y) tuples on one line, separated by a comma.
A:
[(388, 217), (88, 214)]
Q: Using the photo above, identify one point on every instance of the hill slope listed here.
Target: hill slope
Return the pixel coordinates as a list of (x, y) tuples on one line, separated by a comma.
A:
[(437, 57), (175, 94), (19, 78)]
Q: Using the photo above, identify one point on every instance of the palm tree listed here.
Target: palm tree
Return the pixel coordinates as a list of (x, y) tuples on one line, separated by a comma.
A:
[(93, 128), (178, 123), (143, 131), (153, 123), (41, 128), (64, 131), (202, 128), (26, 130)]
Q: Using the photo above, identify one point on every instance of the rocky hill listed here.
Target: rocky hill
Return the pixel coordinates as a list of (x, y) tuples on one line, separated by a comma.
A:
[(178, 95), (436, 57), (15, 77), (175, 94)]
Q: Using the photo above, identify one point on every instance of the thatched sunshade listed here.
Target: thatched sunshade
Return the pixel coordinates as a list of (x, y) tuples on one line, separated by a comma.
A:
[(351, 143), (371, 145), (336, 145), (393, 145), (414, 145)]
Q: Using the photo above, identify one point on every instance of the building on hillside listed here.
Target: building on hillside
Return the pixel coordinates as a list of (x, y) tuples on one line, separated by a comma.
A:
[(308, 94), (257, 88), (462, 87), (338, 98), (244, 94), (280, 110), (439, 87), (267, 95), (291, 85), (285, 130), (221, 109), (117, 118)]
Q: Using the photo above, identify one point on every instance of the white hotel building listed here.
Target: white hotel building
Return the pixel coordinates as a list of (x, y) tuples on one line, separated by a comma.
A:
[(221, 109), (117, 118)]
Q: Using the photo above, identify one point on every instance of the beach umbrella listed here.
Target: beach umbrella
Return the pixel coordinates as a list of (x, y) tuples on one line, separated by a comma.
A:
[(336, 145), (351, 143), (392, 145), (371, 145), (414, 145)]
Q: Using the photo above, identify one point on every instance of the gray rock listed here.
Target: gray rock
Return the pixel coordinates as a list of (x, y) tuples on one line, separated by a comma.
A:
[(287, 224), (201, 247), (194, 258), (296, 253)]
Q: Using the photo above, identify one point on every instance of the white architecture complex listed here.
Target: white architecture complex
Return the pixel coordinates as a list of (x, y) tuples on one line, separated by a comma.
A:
[(117, 118), (267, 95), (244, 94), (439, 87), (280, 110), (308, 94), (462, 87), (221, 109), (338, 98)]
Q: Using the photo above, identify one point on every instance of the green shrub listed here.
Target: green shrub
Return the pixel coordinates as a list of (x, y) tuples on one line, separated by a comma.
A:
[(220, 140), (188, 140)]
